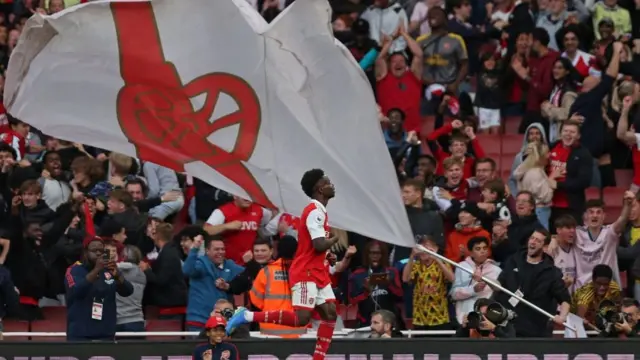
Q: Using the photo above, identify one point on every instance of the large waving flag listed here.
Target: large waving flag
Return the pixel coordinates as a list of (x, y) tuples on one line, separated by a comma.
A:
[(210, 88)]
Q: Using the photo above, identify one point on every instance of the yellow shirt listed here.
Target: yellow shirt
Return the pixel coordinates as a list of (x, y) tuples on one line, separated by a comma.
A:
[(430, 305), (634, 236), (586, 296)]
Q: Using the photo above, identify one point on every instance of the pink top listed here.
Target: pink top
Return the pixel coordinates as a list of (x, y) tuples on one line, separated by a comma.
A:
[(566, 262), (591, 252)]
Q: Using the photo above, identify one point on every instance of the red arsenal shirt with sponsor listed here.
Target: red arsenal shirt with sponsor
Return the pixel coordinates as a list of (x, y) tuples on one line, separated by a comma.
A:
[(308, 264)]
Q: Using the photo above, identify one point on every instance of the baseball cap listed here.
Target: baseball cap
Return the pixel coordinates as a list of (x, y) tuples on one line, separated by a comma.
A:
[(215, 321)]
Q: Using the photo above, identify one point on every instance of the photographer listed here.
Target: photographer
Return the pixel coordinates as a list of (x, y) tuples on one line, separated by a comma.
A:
[(91, 288), (618, 321), (631, 311), (477, 325), (225, 308)]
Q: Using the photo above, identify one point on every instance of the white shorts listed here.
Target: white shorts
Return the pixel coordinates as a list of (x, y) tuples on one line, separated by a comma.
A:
[(306, 295), (488, 118)]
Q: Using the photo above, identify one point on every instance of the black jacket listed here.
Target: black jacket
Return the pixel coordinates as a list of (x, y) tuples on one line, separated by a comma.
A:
[(518, 234), (579, 174), (167, 286), (541, 285), (507, 331), (422, 222)]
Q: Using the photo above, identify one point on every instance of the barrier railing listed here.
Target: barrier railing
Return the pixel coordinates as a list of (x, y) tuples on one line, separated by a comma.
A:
[(344, 333)]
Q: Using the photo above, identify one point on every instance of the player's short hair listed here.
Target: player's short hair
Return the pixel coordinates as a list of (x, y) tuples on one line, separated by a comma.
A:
[(309, 181)]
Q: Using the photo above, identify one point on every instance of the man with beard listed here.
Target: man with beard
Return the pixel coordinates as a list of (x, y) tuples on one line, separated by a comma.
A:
[(532, 275), (507, 240), (91, 287)]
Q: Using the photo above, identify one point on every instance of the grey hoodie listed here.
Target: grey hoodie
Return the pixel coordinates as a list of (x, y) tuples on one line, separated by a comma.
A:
[(129, 309), (513, 184)]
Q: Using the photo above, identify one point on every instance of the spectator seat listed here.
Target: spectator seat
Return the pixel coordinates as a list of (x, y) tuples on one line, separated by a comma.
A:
[(511, 124), (490, 144), (612, 196), (13, 325), (511, 144), (164, 325), (592, 193), (54, 313), (506, 160), (427, 125), (49, 325), (151, 312), (611, 214)]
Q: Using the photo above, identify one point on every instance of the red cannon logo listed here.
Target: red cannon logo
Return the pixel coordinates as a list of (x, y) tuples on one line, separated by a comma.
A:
[(155, 111)]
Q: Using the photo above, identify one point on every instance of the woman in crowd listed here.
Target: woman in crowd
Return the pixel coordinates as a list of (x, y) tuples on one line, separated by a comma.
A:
[(564, 93), (375, 285)]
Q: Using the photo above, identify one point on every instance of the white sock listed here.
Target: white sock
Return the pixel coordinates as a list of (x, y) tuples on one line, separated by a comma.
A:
[(248, 315)]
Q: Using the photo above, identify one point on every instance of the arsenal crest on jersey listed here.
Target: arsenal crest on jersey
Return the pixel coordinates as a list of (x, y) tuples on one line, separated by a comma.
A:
[(108, 278)]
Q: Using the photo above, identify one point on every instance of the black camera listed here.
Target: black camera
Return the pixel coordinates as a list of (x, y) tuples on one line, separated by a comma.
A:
[(496, 313), (226, 313), (608, 316)]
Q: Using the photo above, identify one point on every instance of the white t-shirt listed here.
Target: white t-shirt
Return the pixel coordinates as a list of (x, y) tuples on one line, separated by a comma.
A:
[(566, 262), (591, 252)]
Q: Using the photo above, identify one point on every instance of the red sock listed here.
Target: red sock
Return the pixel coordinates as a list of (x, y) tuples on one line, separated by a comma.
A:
[(325, 335), (282, 317)]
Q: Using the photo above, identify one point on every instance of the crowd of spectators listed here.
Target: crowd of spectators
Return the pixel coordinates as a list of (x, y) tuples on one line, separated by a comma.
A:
[(511, 125)]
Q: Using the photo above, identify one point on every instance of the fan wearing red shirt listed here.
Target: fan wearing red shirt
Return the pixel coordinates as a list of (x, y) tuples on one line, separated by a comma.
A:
[(308, 275), (457, 148), (399, 86), (239, 222)]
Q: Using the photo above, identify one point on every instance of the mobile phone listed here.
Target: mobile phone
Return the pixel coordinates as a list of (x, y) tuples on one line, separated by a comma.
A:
[(106, 255), (378, 278)]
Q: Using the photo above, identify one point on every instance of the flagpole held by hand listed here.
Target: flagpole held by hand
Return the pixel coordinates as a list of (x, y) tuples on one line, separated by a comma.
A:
[(493, 285)]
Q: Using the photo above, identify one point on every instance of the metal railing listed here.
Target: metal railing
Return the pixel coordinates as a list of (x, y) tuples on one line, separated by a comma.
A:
[(344, 333)]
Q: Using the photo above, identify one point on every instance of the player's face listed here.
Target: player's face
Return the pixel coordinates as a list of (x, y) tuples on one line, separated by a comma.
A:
[(326, 188)]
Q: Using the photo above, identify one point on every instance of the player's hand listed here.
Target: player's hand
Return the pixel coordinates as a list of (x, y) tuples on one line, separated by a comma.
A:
[(234, 225)]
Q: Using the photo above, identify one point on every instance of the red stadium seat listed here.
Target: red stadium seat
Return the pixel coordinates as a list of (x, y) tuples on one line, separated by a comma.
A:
[(151, 312), (506, 160), (54, 312), (624, 178), (592, 193), (490, 144), (164, 325), (511, 144), (54, 325), (611, 214), (11, 325), (511, 124), (612, 196)]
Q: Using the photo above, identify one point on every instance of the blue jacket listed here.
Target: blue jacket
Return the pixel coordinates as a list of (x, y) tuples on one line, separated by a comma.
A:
[(222, 351), (203, 292), (81, 295)]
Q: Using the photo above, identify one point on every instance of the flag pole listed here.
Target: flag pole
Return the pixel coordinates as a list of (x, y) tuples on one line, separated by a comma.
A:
[(493, 284)]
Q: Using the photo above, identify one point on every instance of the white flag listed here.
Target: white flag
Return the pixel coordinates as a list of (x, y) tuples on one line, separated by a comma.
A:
[(577, 323), (210, 88)]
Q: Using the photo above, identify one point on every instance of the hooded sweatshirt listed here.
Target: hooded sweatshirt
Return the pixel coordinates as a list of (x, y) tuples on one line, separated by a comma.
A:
[(129, 309), (537, 182), (513, 185), (462, 289), (459, 238)]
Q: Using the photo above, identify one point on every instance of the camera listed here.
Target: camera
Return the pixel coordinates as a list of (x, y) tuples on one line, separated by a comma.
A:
[(608, 316), (226, 313), (496, 313)]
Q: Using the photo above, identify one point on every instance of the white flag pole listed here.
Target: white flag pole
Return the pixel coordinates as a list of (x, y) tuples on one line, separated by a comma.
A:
[(493, 285)]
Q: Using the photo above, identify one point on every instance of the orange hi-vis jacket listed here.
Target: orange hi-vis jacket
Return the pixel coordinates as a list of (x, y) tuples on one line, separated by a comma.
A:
[(271, 291)]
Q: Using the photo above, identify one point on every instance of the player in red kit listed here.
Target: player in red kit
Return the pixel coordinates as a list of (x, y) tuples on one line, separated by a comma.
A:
[(308, 275)]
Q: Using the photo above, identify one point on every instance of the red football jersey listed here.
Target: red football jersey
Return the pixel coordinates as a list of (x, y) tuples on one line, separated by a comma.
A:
[(308, 264), (237, 243)]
